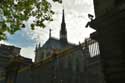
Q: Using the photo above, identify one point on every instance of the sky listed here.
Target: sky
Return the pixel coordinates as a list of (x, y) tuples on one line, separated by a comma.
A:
[(76, 16)]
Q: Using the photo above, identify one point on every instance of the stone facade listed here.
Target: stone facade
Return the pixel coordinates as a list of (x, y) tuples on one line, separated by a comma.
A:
[(6, 54)]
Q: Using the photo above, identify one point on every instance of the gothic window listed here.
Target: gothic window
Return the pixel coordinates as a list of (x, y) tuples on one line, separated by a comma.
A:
[(69, 65), (48, 53), (41, 56), (60, 64), (42, 53), (77, 65), (52, 67)]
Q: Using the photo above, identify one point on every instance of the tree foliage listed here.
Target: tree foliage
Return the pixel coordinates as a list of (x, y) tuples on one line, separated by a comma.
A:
[(14, 14)]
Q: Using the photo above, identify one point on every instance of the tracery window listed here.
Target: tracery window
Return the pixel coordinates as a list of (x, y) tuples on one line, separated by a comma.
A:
[(77, 65)]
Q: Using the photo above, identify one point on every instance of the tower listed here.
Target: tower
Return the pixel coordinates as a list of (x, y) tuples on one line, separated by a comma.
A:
[(63, 31)]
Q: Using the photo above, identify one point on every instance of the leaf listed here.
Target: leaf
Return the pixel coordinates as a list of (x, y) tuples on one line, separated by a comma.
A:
[(32, 26), (23, 25)]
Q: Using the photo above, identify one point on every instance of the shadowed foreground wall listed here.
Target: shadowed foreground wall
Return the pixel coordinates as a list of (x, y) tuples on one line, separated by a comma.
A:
[(70, 66)]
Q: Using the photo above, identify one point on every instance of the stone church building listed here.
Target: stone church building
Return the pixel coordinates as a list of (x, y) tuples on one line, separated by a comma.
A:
[(53, 44)]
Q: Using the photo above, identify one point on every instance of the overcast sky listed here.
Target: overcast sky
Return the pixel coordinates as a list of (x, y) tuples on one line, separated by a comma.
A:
[(76, 12)]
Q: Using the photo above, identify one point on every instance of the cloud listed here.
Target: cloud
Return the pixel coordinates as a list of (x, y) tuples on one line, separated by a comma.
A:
[(81, 6), (21, 38), (28, 52), (4, 42)]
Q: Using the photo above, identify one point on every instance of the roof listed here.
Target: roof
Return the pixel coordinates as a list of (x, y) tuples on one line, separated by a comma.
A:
[(55, 43), (7, 50)]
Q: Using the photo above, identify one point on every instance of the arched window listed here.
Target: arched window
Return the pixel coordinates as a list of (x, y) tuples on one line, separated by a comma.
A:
[(77, 65), (42, 55), (69, 65), (48, 53)]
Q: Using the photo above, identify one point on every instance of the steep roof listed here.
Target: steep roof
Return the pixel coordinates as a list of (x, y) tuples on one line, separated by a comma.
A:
[(55, 43)]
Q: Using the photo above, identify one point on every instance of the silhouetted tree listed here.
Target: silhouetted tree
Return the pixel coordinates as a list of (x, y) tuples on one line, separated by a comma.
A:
[(14, 14)]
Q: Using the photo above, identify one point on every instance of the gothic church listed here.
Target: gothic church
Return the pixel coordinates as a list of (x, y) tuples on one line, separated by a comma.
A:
[(53, 44)]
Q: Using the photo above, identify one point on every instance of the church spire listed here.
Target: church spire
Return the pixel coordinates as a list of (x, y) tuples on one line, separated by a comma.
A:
[(63, 17), (63, 31)]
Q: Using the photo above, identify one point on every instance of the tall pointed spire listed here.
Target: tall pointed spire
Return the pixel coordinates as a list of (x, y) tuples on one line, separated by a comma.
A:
[(63, 31)]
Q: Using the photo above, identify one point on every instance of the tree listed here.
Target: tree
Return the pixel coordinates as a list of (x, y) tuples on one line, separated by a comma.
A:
[(14, 14)]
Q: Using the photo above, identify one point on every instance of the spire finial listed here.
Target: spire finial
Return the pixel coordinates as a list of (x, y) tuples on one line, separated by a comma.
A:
[(39, 45), (36, 48), (50, 30), (63, 17), (86, 42)]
